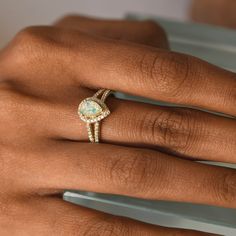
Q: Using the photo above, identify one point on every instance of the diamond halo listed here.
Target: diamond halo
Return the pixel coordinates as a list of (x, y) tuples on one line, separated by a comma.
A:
[(92, 110)]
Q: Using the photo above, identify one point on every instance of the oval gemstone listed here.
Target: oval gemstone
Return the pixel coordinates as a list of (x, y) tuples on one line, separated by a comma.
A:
[(90, 108)]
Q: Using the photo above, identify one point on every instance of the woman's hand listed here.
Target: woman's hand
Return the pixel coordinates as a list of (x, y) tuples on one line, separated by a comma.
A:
[(45, 72)]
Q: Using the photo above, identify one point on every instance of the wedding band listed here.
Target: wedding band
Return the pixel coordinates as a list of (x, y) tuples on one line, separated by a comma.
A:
[(92, 110)]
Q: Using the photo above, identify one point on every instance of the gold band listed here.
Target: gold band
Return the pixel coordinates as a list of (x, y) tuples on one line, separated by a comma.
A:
[(92, 110)]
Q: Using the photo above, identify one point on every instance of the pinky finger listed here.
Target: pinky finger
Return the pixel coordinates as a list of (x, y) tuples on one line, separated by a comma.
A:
[(53, 216)]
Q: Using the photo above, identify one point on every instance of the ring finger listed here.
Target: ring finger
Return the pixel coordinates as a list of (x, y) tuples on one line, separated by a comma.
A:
[(49, 215), (180, 131)]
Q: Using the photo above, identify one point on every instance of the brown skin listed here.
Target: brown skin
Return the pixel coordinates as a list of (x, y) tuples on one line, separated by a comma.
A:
[(46, 71), (216, 12)]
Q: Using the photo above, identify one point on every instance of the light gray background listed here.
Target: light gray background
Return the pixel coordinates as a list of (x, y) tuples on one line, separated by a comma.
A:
[(16, 14)]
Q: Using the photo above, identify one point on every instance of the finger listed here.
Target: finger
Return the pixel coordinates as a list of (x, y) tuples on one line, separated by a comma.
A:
[(53, 216), (184, 132), (180, 131), (121, 66), (143, 32), (126, 171), (159, 75)]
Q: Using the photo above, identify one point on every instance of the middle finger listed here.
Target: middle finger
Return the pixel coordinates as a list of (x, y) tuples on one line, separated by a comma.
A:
[(136, 69)]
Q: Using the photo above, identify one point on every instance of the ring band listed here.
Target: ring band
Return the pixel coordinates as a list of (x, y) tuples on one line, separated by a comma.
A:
[(92, 110)]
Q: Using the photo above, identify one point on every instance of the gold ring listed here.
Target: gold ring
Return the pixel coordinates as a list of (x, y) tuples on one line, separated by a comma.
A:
[(92, 110)]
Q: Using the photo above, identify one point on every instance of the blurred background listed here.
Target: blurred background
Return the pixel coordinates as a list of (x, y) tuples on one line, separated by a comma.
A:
[(15, 14)]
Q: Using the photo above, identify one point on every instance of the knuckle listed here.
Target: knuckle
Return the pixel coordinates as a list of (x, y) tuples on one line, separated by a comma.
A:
[(171, 129), (29, 39), (67, 18), (34, 35), (27, 34), (173, 72), (226, 189), (175, 130), (30, 46), (152, 27), (133, 174), (165, 72)]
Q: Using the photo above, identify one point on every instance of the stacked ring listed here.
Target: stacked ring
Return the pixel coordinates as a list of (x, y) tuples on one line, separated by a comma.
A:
[(92, 110)]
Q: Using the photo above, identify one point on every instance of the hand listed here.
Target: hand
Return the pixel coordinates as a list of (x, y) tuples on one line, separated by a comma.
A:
[(47, 71), (222, 12)]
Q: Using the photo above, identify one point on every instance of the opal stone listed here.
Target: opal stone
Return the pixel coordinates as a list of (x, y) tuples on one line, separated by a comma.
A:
[(90, 108)]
